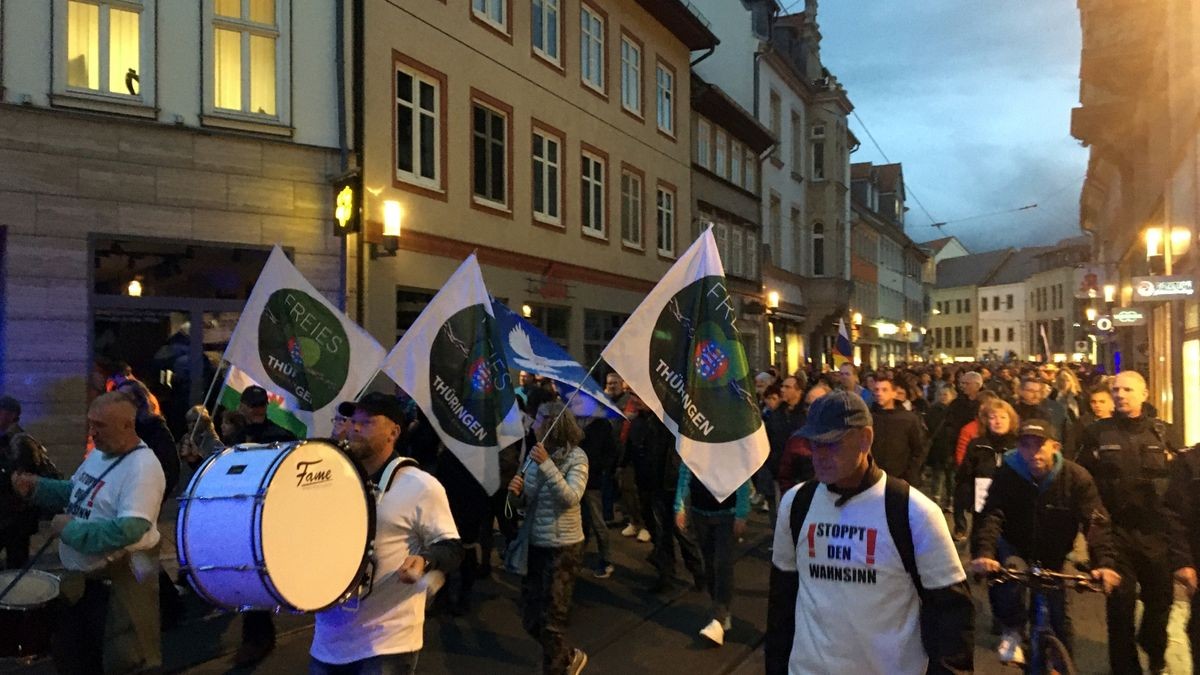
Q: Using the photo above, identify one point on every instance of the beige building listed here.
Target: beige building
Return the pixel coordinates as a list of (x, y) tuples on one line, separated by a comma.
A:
[(551, 138), (151, 153), (1140, 116)]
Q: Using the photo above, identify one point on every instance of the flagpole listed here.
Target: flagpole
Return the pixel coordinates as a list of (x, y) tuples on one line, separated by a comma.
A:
[(204, 401), (566, 407), (369, 382)]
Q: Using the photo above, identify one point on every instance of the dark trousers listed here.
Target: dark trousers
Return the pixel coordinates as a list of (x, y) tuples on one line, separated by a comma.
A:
[(661, 521), (1009, 604), (546, 602), (258, 628), (16, 550), (764, 482), (714, 535), (593, 523), (1152, 573), (388, 664), (112, 627), (78, 643)]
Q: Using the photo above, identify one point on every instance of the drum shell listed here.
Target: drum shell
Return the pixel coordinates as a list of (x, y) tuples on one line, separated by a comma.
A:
[(25, 630)]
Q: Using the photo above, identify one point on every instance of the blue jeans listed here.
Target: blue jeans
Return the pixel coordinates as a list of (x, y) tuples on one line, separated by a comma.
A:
[(593, 523), (388, 664)]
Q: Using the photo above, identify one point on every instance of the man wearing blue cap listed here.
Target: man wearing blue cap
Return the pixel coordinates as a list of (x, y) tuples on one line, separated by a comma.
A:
[(865, 576)]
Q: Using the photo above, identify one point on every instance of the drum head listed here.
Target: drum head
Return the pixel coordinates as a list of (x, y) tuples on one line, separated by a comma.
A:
[(34, 589), (315, 526)]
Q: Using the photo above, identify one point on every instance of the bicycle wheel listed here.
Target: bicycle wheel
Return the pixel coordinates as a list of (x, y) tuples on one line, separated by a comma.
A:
[(1055, 658)]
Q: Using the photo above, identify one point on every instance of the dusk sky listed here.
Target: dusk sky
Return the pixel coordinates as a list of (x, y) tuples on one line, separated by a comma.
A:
[(974, 99)]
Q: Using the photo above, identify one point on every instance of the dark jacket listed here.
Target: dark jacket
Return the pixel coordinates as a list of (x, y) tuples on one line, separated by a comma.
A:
[(600, 446), (1128, 457), (985, 456), (1183, 510), (1041, 520), (153, 430), (650, 447), (962, 411), (899, 445), (941, 437), (780, 424)]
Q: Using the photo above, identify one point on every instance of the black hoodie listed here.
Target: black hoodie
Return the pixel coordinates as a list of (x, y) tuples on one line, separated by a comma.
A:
[(899, 445)]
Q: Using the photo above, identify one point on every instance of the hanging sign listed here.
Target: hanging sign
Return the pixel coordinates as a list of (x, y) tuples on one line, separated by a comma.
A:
[(1158, 288)]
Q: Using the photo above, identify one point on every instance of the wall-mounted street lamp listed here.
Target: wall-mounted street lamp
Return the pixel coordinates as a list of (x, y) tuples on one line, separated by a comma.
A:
[(1090, 312), (772, 299), (526, 311), (1110, 293), (856, 318), (1161, 249), (392, 219), (134, 289)]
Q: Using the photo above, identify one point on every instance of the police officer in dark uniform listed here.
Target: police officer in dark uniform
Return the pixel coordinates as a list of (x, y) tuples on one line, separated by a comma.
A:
[(1183, 500), (1129, 456)]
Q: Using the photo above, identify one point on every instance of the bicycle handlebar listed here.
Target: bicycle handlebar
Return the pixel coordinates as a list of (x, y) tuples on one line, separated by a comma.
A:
[(1044, 579)]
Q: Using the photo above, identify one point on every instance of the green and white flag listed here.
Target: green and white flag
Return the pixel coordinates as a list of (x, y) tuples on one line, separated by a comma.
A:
[(452, 364), (236, 382), (682, 354), (295, 344)]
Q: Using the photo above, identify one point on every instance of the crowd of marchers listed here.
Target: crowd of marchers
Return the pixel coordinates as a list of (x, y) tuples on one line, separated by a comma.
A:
[(873, 482)]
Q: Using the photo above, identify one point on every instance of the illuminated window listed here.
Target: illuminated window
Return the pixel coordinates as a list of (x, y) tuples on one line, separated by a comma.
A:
[(101, 48), (248, 48)]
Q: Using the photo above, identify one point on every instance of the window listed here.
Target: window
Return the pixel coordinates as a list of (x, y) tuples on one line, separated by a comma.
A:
[(420, 138), (599, 328), (721, 235), (797, 143), (665, 87), (249, 57), (703, 136), (984, 304), (736, 152), (996, 302), (776, 122), (553, 321), (736, 249), (958, 306), (547, 177), (970, 336), (750, 178), (591, 180), (106, 47), (983, 336), (1012, 333), (818, 152), (631, 76), (958, 341), (775, 213), (665, 199), (545, 29), (995, 335), (752, 254), (591, 48), (492, 12), (818, 250), (489, 135), (721, 168), (409, 305), (631, 208), (1008, 301)]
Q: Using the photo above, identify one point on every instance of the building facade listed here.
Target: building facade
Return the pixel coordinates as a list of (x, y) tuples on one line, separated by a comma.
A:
[(954, 317), (1051, 303), (573, 233), (1140, 116), (150, 155)]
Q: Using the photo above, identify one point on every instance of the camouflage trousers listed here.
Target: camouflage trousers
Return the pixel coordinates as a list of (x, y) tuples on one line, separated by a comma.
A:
[(546, 602)]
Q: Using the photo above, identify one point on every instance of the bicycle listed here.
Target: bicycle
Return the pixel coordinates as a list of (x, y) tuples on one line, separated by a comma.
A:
[(1048, 655)]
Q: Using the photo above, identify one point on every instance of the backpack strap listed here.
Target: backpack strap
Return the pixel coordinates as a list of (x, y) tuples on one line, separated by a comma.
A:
[(800, 505), (895, 505), (389, 472)]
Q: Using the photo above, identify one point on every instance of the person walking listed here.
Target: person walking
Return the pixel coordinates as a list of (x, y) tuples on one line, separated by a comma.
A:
[(899, 446)]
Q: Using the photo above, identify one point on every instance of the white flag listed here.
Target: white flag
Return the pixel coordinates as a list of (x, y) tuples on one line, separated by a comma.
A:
[(298, 346), (681, 353), (452, 364)]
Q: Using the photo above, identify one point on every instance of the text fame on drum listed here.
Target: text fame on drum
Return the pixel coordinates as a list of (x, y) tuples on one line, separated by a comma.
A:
[(414, 535), (108, 545)]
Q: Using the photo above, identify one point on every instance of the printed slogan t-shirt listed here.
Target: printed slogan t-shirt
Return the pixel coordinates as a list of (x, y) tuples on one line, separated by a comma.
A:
[(857, 610), (132, 489)]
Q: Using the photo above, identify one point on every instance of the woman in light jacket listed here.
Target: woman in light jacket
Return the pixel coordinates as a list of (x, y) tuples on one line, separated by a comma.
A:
[(551, 488)]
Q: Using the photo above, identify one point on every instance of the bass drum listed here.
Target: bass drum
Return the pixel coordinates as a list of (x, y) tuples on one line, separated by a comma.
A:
[(27, 614), (282, 526)]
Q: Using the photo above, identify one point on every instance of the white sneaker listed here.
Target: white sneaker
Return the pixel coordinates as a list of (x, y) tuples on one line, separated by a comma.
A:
[(643, 535), (629, 531), (1010, 649), (714, 632)]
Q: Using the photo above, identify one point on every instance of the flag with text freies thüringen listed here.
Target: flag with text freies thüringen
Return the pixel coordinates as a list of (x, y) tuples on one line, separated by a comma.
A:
[(450, 361), (299, 347), (681, 353)]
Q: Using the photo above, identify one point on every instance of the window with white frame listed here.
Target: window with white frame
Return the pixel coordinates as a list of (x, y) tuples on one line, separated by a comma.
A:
[(736, 152), (418, 125), (492, 12), (719, 154), (591, 48), (631, 76), (106, 47), (703, 138), (797, 143), (547, 172), (818, 250), (752, 254), (591, 180), (818, 152), (737, 244), (775, 120), (631, 208), (665, 199), (750, 175), (665, 87), (721, 236), (544, 28), (489, 135), (249, 56)]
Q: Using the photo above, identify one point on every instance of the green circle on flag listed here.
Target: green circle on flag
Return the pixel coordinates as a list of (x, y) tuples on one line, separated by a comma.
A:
[(468, 378), (303, 348), (698, 366)]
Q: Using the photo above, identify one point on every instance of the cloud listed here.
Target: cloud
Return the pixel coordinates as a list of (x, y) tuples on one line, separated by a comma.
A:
[(974, 99)]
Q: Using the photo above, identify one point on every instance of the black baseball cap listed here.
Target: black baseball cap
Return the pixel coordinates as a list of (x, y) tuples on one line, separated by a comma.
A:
[(10, 404), (832, 415), (378, 403), (346, 408), (1039, 428), (254, 396)]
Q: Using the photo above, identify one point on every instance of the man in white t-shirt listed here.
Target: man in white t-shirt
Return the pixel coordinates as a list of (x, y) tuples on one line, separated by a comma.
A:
[(842, 598), (108, 541), (414, 534)]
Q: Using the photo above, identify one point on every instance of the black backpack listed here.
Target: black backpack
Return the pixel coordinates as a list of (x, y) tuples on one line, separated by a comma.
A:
[(895, 505)]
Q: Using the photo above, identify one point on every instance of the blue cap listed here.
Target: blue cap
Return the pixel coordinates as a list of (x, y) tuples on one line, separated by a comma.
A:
[(832, 415)]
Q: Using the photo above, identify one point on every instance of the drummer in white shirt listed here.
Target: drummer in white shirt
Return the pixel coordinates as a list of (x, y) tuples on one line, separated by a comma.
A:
[(414, 534), (109, 546)]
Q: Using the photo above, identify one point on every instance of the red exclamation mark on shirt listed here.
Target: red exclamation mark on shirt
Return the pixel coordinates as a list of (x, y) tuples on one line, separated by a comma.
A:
[(812, 540), (871, 533)]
